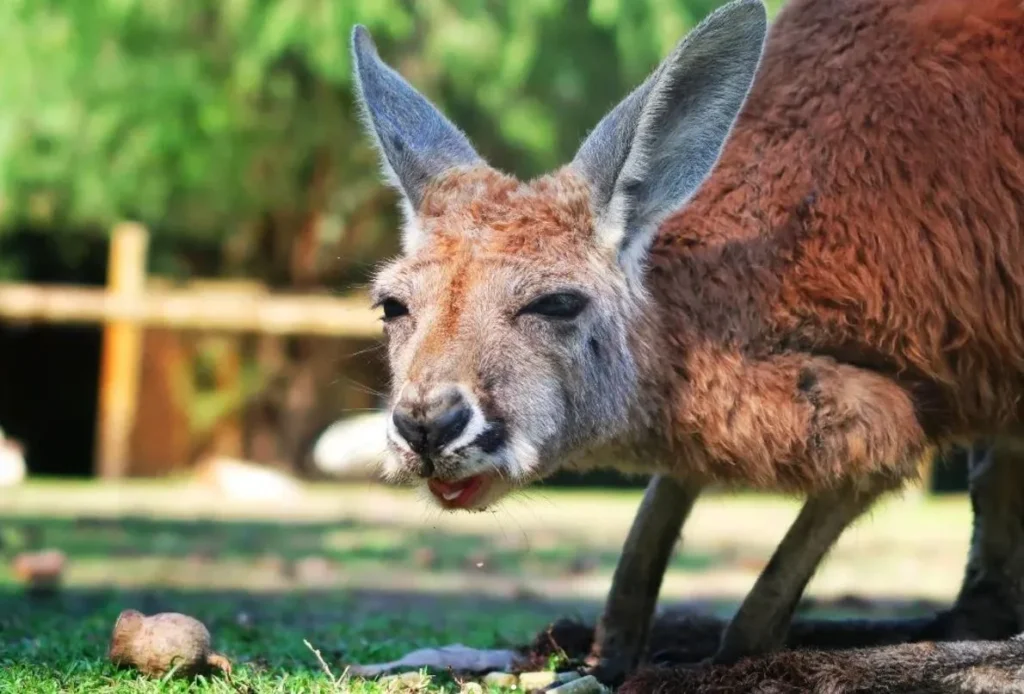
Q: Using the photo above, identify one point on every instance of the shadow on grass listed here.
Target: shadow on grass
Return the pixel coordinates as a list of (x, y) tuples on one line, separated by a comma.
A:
[(346, 542)]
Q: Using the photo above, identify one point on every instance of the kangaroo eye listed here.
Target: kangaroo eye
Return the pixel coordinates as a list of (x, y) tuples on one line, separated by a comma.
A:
[(560, 305), (393, 308)]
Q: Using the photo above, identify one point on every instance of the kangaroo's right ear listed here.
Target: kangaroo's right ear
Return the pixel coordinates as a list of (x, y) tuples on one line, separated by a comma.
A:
[(416, 142)]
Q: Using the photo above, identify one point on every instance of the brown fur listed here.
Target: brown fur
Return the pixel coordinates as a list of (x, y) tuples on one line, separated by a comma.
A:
[(854, 269), (550, 217)]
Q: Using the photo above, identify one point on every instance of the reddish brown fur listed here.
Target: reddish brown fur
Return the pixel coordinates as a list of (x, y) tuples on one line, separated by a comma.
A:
[(550, 217), (869, 207), (481, 222)]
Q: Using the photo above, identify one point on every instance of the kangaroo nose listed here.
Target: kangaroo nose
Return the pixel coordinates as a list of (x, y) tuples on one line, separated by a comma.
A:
[(430, 426)]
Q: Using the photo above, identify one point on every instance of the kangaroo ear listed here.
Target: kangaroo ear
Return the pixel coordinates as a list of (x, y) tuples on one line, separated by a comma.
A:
[(649, 155), (416, 142)]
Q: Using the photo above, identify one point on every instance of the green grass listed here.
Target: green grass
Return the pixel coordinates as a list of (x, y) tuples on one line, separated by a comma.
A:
[(57, 644), (366, 574)]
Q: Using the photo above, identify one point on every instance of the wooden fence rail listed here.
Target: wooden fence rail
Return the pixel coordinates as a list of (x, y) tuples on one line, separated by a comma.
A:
[(126, 306), (190, 309)]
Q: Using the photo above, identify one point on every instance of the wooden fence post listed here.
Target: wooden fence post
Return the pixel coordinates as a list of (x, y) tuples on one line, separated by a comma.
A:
[(122, 351)]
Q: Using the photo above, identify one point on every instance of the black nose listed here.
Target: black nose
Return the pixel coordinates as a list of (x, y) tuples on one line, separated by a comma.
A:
[(428, 428)]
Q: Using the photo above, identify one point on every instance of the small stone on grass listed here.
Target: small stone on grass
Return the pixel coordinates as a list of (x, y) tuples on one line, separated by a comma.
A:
[(169, 642)]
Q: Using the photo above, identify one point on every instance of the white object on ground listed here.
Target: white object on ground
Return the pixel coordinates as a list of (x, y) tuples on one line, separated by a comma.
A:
[(352, 447), (12, 461), (456, 657), (240, 479)]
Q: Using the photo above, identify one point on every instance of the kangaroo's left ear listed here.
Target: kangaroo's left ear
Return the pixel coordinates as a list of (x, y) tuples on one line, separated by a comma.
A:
[(416, 142), (649, 155)]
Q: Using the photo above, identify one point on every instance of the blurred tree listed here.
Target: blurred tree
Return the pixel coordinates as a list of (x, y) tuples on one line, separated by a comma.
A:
[(231, 121)]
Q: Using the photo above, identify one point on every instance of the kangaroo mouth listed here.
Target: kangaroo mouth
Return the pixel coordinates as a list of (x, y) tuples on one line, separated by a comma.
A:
[(460, 494)]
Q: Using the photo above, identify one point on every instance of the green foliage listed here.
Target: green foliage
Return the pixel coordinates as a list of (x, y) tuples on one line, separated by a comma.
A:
[(202, 118)]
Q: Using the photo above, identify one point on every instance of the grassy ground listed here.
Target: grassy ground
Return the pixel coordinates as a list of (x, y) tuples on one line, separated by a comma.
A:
[(366, 574)]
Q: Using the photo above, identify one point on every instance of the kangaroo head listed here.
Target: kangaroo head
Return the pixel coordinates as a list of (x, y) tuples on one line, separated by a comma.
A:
[(508, 314)]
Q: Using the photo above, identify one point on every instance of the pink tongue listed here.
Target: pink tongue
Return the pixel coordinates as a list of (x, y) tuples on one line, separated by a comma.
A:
[(456, 493), (449, 487)]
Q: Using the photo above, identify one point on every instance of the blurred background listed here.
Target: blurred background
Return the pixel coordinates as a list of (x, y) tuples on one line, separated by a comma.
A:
[(189, 210)]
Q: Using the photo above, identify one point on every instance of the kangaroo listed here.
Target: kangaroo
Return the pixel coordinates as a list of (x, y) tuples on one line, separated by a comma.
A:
[(844, 295)]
